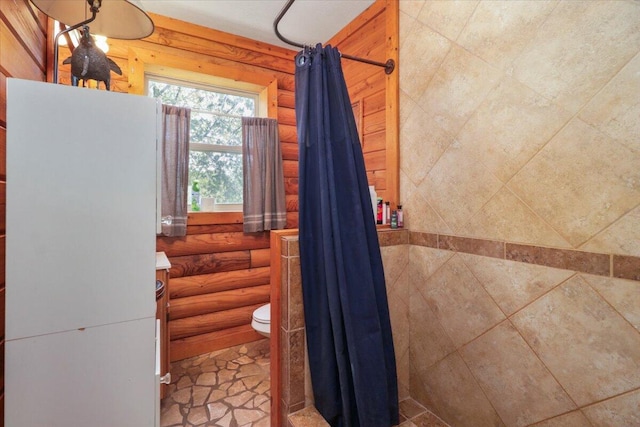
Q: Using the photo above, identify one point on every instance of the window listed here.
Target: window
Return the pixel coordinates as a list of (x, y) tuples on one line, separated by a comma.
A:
[(215, 158)]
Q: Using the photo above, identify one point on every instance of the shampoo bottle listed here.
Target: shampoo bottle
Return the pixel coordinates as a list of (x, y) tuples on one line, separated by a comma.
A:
[(394, 219), (387, 207)]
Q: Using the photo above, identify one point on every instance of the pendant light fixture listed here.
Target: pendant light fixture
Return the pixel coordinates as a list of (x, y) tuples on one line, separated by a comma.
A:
[(118, 19)]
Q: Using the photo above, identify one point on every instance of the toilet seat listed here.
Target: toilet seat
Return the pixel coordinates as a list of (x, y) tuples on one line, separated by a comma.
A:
[(262, 314), (261, 320)]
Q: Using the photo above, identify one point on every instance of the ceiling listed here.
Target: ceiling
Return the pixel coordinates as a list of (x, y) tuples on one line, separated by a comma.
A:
[(306, 22)]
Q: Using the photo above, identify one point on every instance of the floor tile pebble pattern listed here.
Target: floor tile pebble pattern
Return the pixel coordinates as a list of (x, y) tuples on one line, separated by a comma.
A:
[(225, 388), (231, 388)]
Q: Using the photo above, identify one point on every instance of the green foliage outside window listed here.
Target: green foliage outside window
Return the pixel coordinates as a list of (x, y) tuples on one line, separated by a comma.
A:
[(215, 158)]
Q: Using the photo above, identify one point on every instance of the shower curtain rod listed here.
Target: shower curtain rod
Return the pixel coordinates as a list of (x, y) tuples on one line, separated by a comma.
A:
[(388, 66)]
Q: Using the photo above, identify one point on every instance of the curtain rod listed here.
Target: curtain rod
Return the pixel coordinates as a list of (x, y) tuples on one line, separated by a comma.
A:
[(388, 66)]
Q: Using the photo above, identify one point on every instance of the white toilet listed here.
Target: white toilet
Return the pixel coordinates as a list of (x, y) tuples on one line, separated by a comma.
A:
[(262, 320)]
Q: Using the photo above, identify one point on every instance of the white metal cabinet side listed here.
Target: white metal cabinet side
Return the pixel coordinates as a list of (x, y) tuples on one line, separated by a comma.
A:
[(102, 376), (81, 202), (80, 257)]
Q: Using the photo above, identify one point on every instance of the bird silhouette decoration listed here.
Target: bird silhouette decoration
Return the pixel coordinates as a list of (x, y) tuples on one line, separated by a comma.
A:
[(90, 63)]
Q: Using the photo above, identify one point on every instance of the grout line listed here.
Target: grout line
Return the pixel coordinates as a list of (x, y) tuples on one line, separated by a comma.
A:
[(535, 353)]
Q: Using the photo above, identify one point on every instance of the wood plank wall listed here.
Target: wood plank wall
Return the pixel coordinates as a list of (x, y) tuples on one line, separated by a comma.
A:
[(374, 95), (22, 54)]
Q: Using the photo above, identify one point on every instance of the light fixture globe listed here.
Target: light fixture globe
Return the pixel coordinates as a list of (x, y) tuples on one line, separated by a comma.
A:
[(118, 19)]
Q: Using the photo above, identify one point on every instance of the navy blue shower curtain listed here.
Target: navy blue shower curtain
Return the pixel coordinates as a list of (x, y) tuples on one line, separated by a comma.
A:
[(351, 354)]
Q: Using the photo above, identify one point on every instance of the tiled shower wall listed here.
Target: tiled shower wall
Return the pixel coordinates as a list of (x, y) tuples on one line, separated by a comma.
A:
[(520, 128), (483, 340), (294, 375), (496, 342)]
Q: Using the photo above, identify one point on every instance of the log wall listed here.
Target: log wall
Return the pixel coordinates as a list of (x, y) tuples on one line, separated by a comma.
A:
[(23, 32), (25, 35), (219, 275)]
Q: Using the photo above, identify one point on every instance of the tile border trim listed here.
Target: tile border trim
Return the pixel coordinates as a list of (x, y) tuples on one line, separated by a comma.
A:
[(601, 264)]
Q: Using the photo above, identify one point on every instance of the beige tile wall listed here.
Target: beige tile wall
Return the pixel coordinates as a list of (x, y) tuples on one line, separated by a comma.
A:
[(520, 124), (520, 121), (295, 378), (484, 340), (499, 342)]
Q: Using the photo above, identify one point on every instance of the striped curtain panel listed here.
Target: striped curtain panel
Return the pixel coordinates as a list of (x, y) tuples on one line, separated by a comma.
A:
[(263, 196), (175, 169)]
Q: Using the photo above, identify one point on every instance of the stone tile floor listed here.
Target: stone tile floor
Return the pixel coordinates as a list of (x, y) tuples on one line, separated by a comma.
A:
[(225, 388), (231, 388)]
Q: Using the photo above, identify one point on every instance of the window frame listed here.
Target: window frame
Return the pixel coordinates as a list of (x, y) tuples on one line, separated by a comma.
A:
[(143, 61), (229, 89)]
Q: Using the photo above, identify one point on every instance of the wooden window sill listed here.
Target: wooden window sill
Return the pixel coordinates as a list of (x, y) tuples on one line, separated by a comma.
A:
[(211, 218)]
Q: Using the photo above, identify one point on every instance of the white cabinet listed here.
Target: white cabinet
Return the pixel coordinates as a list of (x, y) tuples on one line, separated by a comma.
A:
[(80, 257), (103, 376)]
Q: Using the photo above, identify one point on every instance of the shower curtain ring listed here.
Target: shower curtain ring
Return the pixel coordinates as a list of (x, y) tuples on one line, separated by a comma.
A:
[(304, 56)]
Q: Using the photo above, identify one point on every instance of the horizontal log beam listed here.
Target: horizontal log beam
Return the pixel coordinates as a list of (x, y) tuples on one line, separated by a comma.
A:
[(211, 243), (192, 265), (260, 258), (219, 49), (288, 133), (216, 282), (200, 344), (156, 54), (220, 36), (290, 168), (289, 150), (287, 83), (208, 218), (292, 220), (292, 203), (219, 301), (205, 323), (286, 99), (291, 186), (214, 228), (286, 116)]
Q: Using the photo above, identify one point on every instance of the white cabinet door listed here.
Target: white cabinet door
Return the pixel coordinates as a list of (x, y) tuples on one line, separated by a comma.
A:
[(99, 377), (81, 203)]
